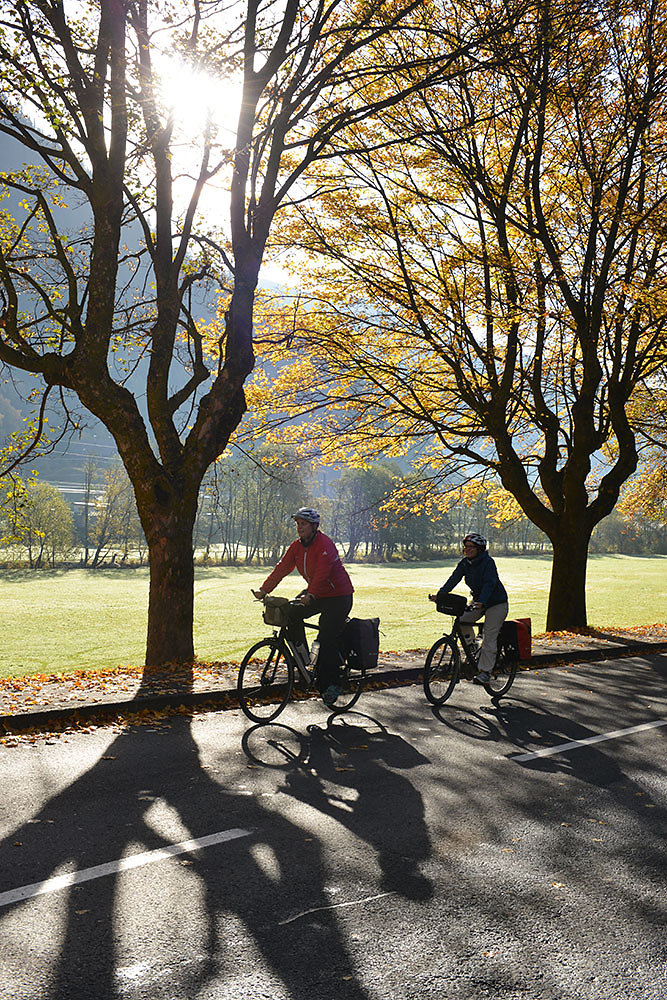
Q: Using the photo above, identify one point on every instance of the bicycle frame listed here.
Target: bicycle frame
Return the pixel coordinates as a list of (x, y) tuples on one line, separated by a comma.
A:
[(457, 636), (302, 665)]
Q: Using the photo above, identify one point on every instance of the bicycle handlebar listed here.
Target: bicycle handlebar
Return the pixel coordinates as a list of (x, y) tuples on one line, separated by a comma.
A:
[(294, 601)]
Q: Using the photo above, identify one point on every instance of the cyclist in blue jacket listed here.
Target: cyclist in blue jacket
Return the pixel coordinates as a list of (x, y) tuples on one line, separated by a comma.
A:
[(489, 599)]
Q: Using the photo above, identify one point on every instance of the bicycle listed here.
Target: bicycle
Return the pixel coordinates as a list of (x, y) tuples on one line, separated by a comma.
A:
[(272, 666), (444, 667)]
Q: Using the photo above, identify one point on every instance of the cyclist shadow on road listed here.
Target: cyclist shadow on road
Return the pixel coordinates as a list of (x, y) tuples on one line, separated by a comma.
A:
[(106, 945), (467, 721), (351, 774)]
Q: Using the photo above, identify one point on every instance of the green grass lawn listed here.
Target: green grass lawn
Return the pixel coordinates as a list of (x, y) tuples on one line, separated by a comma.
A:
[(55, 621)]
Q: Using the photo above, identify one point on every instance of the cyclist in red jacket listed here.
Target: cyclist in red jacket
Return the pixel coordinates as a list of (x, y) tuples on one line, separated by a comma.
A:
[(328, 593)]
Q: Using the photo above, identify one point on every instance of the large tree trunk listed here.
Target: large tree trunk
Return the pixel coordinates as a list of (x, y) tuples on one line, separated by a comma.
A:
[(167, 508), (567, 594), (171, 596)]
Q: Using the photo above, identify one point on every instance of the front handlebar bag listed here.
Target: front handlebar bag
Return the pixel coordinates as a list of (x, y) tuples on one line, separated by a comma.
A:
[(452, 604), (275, 611)]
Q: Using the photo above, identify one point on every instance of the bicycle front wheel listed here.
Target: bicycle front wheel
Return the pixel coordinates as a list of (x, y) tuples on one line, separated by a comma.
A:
[(265, 680), (351, 683), (504, 672), (441, 670)]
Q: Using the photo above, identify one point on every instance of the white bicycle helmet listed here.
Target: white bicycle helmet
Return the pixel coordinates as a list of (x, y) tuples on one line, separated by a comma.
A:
[(478, 540), (307, 514)]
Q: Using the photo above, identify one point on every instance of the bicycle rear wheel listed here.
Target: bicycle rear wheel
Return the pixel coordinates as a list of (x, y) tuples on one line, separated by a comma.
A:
[(265, 680), (351, 683), (504, 672), (441, 670)]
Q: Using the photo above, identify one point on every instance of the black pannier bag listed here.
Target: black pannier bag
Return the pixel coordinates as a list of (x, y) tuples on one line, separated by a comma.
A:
[(360, 642), (509, 638), (452, 604)]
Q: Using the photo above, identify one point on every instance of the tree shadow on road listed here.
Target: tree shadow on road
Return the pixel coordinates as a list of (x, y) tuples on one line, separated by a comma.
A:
[(533, 728), (253, 882)]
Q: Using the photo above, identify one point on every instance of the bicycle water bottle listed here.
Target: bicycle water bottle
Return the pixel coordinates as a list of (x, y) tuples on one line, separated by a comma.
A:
[(302, 651), (314, 650)]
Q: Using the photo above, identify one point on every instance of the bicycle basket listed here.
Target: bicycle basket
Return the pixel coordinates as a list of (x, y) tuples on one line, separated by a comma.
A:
[(452, 604), (275, 611)]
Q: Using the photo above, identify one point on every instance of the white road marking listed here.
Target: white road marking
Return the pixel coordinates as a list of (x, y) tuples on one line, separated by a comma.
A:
[(334, 906), (576, 744), (122, 865)]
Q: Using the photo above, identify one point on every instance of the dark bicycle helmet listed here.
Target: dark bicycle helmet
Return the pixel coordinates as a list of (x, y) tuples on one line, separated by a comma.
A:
[(478, 540), (307, 514)]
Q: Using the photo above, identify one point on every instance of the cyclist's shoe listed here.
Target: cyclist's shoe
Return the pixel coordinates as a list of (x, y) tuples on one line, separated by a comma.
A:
[(482, 677), (331, 695)]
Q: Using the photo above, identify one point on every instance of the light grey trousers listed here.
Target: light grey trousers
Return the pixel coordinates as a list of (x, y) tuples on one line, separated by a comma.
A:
[(495, 616)]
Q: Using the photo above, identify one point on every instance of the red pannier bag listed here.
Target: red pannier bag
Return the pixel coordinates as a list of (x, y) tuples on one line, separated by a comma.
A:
[(515, 632), (524, 638)]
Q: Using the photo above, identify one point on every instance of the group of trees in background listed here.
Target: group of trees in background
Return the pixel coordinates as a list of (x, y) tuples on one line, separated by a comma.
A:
[(38, 526), (472, 195), (244, 517)]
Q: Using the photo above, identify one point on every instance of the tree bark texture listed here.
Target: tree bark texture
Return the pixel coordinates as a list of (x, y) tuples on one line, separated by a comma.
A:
[(171, 593), (567, 593)]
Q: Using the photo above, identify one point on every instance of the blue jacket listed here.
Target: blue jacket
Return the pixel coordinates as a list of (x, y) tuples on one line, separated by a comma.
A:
[(482, 577)]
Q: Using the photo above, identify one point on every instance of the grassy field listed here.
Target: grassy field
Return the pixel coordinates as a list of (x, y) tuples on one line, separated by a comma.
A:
[(55, 621)]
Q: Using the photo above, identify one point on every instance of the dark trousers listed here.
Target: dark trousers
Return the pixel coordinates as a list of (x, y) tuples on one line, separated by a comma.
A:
[(333, 612)]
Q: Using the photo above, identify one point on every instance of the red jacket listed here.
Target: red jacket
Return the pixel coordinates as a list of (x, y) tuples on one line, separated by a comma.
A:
[(318, 563)]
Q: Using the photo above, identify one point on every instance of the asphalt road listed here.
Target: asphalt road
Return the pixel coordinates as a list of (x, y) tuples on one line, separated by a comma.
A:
[(395, 852)]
